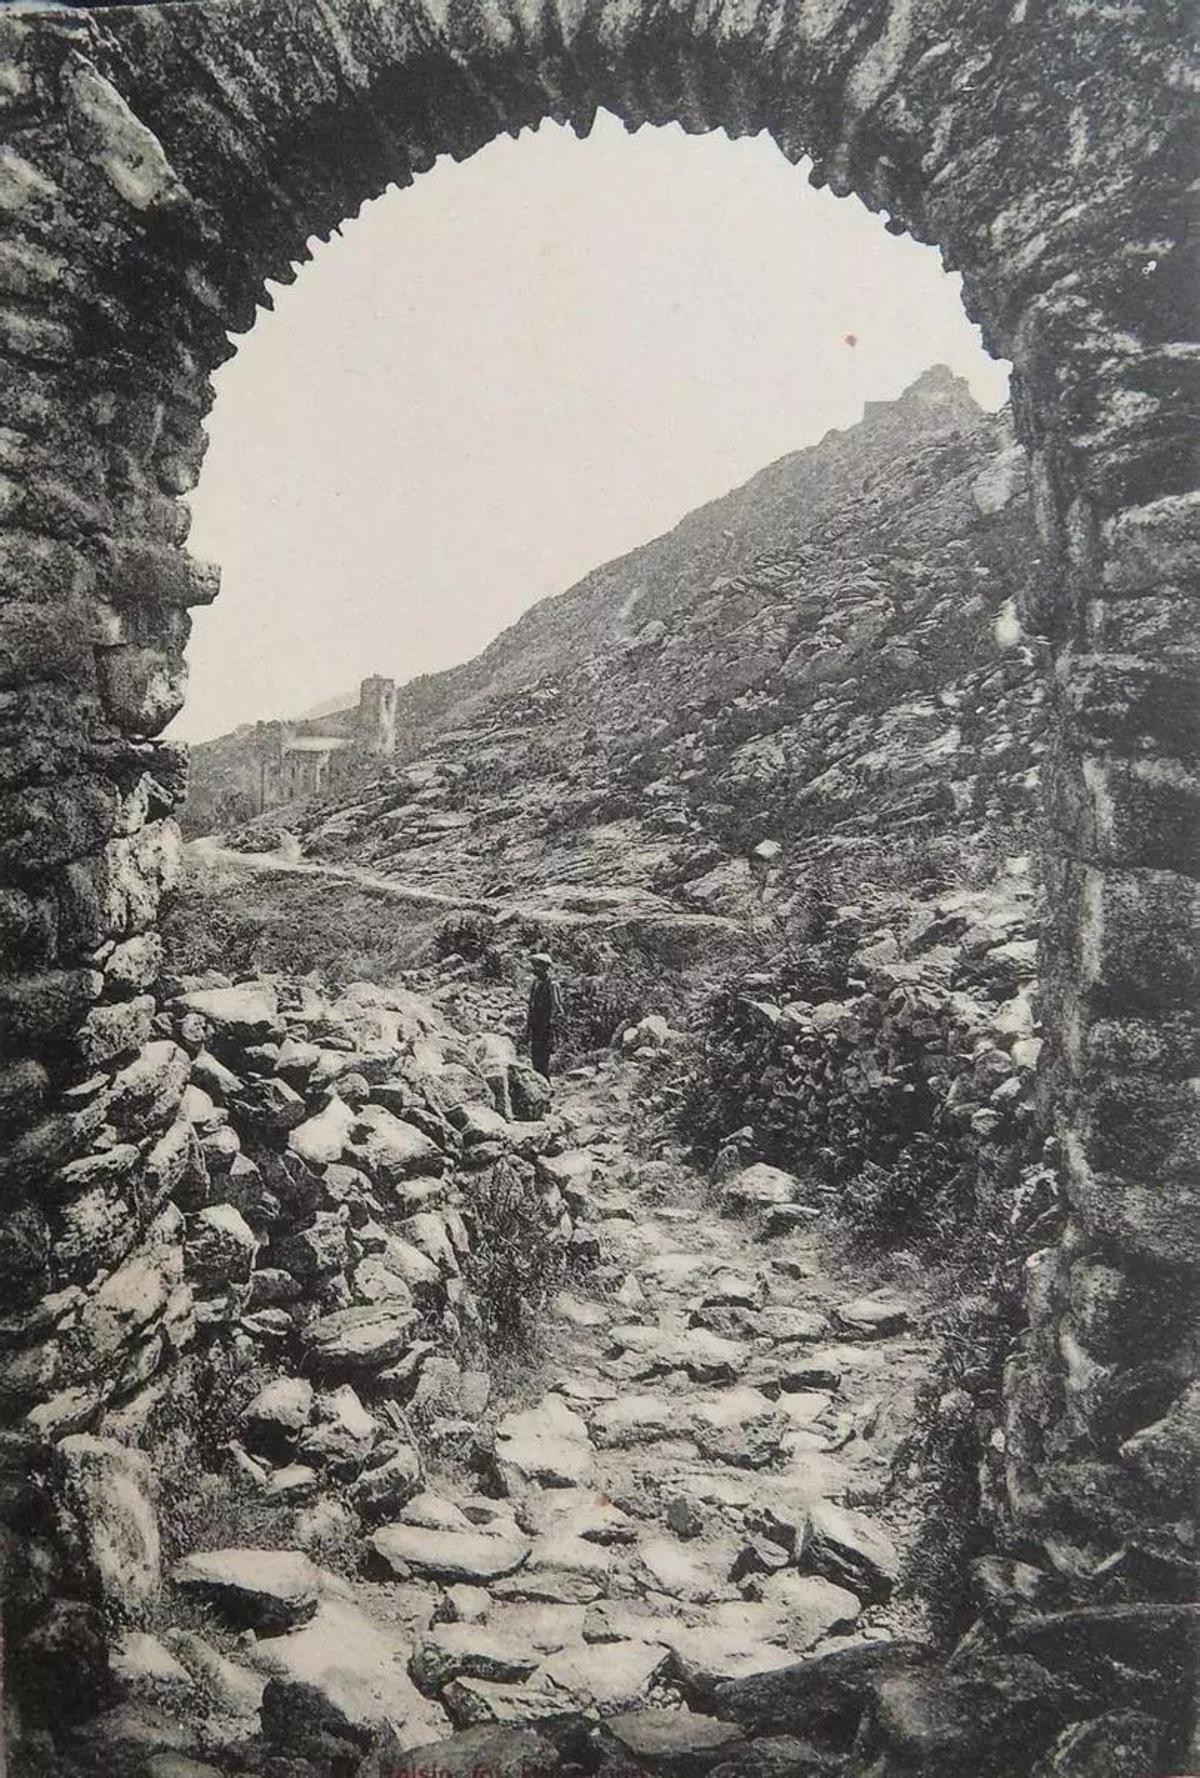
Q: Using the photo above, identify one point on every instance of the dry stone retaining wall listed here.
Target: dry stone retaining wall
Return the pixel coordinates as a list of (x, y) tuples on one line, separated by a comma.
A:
[(158, 163)]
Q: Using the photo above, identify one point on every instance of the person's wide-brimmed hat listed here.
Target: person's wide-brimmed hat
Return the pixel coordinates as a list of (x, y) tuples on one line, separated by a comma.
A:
[(542, 958)]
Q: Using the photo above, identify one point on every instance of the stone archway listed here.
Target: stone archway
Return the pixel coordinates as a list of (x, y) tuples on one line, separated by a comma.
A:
[(162, 162)]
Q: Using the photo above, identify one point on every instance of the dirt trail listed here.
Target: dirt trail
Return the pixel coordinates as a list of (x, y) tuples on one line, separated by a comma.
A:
[(627, 908), (679, 1463)]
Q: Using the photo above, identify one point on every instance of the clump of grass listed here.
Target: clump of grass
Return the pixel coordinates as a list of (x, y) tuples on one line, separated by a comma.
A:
[(518, 1259)]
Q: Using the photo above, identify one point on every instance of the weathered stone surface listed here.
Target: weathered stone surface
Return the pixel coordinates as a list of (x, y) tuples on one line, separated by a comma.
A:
[(389, 1150), (243, 1015), (851, 1549), (360, 1339), (1119, 1744), (220, 1247), (143, 1667), (325, 1137), (471, 1556), (343, 1671), (530, 1095), (822, 1699), (874, 1316), (343, 1433), (990, 1715), (384, 1488), (104, 1499), (269, 1105), (265, 1590), (278, 1414), (674, 1742), (547, 1446), (759, 1188)]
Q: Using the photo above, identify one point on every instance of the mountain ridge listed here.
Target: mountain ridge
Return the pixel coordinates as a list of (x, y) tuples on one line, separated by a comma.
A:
[(819, 676)]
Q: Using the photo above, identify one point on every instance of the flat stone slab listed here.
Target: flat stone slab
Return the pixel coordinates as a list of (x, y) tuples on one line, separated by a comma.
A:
[(433, 1512), (580, 1311), (245, 1014), (673, 1741), (851, 1549), (636, 1419), (477, 1701), (874, 1317), (607, 1676), (366, 1337), (266, 1590), (739, 1426), (474, 1651), (810, 1607), (561, 1570), (735, 1638), (477, 1556), (545, 1446), (802, 1406), (576, 1513), (731, 1289), (683, 1571), (703, 1356), (356, 1665), (785, 1321)]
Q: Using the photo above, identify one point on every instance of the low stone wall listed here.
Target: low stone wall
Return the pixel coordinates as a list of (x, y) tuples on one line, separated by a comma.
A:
[(272, 1211)]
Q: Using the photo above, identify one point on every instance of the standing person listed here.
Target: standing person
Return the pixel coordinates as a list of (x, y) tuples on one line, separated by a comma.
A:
[(543, 1022)]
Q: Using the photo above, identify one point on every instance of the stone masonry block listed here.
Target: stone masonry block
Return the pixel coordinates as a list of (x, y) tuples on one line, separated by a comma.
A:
[(142, 688), (1127, 812), (1150, 545)]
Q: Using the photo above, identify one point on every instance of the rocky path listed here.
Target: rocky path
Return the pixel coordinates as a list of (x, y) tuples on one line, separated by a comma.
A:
[(688, 1474), (678, 1488)]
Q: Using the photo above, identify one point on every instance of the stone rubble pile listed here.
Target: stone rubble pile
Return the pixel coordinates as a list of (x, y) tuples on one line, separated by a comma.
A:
[(277, 1193), (936, 1030)]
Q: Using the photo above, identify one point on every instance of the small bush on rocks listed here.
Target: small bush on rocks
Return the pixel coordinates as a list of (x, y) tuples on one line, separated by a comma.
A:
[(517, 1260), (470, 936), (946, 1467), (922, 1197)]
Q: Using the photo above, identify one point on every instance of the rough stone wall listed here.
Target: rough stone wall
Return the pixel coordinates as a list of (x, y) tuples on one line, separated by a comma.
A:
[(159, 163)]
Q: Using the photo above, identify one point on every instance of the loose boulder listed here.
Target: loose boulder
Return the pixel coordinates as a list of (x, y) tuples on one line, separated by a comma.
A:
[(103, 1497), (264, 1590)]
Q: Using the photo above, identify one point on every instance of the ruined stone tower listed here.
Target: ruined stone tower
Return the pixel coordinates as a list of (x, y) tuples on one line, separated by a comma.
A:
[(377, 715)]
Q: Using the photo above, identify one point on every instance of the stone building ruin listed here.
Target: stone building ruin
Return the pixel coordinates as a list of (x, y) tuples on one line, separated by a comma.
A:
[(160, 163), (264, 765)]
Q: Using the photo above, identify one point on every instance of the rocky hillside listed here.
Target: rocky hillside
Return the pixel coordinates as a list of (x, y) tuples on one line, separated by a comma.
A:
[(828, 660)]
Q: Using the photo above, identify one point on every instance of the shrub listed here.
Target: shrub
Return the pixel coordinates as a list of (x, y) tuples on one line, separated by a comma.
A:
[(979, 1311), (922, 1197), (517, 1260), (472, 937)]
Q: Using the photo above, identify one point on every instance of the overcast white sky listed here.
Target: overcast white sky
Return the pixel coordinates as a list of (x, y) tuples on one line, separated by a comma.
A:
[(517, 369)]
